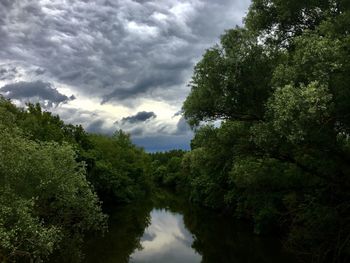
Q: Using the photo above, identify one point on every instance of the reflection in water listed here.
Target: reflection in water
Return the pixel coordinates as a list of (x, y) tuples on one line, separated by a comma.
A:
[(126, 227), (166, 240), (168, 229)]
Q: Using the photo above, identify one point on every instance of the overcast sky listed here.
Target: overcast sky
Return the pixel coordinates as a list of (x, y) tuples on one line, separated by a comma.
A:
[(111, 64)]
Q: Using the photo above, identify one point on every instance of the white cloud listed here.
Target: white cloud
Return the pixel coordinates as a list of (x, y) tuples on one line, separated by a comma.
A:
[(142, 31)]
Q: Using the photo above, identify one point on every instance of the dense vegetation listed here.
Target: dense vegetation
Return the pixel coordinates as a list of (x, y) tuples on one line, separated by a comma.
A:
[(167, 169), (49, 175), (270, 106), (119, 170), (279, 87)]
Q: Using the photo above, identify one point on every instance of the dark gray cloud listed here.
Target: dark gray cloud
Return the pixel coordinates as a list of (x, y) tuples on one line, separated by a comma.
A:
[(8, 73), (95, 126), (178, 113), (148, 237), (118, 52), (141, 116), (99, 126), (136, 132), (40, 71), (37, 91), (182, 126)]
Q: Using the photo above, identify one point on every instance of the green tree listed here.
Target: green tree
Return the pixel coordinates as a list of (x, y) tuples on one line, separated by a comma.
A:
[(120, 170), (44, 196), (225, 83), (283, 79)]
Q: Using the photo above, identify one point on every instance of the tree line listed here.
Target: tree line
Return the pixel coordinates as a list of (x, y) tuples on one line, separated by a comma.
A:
[(53, 177), (270, 105)]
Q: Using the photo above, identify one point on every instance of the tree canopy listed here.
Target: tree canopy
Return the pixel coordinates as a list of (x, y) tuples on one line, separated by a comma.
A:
[(50, 175), (280, 88)]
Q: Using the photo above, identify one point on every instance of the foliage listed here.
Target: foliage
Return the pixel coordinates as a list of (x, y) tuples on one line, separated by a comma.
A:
[(210, 161), (41, 125), (21, 232), (224, 84), (282, 84), (120, 170), (166, 168), (44, 196), (49, 171), (117, 169)]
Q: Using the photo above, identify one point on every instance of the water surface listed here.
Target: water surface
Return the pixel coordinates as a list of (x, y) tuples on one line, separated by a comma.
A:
[(166, 239), (170, 230)]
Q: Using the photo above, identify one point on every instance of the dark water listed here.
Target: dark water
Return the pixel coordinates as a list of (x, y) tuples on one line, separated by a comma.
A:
[(169, 230)]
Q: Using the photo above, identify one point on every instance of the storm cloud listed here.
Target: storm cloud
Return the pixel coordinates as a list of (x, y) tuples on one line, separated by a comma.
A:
[(8, 74), (139, 117), (125, 54), (37, 91), (114, 49), (182, 126), (99, 127)]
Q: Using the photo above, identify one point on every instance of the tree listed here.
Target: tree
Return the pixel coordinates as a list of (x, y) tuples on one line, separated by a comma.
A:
[(231, 81), (44, 196), (119, 169), (280, 21), (284, 80)]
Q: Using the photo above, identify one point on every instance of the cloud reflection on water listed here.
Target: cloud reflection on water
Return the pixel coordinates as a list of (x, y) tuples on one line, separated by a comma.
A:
[(166, 240)]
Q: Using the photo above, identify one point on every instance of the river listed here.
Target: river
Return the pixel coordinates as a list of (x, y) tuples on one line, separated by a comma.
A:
[(169, 230)]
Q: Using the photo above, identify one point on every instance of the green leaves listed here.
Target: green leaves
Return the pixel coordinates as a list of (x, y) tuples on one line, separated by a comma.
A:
[(231, 81), (280, 87), (22, 233), (48, 203), (44, 196), (119, 171), (301, 113), (278, 21)]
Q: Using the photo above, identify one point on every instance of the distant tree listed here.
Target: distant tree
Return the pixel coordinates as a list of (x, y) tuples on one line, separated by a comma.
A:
[(120, 170)]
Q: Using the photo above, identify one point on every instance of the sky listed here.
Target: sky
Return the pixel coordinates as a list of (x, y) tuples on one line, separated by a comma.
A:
[(111, 64)]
